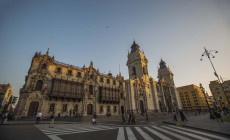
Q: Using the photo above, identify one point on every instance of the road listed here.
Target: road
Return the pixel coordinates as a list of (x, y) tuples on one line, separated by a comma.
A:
[(104, 132)]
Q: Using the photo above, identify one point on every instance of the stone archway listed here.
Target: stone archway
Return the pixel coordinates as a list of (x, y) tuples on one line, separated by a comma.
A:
[(89, 109), (142, 106), (33, 108)]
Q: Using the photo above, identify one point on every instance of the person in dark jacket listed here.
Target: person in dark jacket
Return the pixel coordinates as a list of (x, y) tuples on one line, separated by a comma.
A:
[(183, 118), (51, 121)]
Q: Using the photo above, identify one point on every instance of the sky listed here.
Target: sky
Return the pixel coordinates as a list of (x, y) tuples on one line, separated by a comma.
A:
[(103, 31)]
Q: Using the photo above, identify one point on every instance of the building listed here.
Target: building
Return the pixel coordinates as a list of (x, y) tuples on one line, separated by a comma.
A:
[(5, 96), (143, 92), (193, 99), (218, 94), (66, 89)]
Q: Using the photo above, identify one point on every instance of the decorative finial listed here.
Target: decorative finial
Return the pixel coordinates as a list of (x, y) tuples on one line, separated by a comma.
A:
[(49, 46)]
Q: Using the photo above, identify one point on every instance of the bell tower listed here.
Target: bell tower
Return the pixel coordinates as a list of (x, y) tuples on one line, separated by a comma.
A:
[(137, 63), (165, 72)]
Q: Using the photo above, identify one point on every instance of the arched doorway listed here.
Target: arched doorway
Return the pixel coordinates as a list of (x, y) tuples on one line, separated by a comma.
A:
[(89, 109), (122, 110), (142, 106), (33, 108)]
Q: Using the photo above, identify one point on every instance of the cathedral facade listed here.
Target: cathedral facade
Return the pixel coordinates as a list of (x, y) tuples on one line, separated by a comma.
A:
[(53, 86), (144, 94)]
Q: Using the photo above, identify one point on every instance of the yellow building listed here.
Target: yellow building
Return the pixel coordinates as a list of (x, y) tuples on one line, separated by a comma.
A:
[(5, 95), (218, 94), (192, 98)]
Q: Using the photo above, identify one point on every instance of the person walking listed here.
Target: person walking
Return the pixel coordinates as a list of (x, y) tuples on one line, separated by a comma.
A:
[(133, 118), (94, 118), (183, 118), (51, 121), (38, 117), (174, 116), (123, 119), (147, 117)]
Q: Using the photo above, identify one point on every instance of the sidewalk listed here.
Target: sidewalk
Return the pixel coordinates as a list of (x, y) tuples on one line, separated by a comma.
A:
[(203, 122), (33, 122)]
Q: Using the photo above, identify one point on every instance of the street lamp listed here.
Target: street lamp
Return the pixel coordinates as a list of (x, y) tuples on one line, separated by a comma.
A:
[(201, 87), (209, 54)]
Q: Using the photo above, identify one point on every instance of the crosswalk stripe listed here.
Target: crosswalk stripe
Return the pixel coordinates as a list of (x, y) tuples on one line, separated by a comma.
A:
[(130, 134), (170, 133), (72, 132), (157, 134), (72, 128), (121, 135), (143, 134), (54, 137), (186, 133), (198, 132)]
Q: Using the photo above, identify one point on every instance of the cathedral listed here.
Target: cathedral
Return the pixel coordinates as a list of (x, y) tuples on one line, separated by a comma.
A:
[(52, 86)]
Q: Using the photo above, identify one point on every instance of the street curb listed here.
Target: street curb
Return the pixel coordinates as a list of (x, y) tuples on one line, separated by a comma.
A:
[(199, 129)]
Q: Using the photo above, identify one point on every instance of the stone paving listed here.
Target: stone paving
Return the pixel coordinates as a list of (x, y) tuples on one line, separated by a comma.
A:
[(203, 122)]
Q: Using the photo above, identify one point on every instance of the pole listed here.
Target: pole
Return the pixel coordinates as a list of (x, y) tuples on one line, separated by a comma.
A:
[(211, 115), (215, 73)]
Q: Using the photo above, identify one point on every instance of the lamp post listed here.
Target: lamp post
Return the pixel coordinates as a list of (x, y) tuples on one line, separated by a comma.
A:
[(208, 53), (201, 87)]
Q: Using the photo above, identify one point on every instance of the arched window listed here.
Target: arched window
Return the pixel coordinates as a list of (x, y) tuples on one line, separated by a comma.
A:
[(91, 89), (44, 66), (39, 85), (134, 71), (52, 106)]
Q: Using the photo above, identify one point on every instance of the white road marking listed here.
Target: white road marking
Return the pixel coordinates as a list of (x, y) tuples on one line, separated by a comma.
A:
[(157, 134), (202, 133), (121, 135), (130, 134), (186, 133), (170, 133), (54, 137), (143, 134)]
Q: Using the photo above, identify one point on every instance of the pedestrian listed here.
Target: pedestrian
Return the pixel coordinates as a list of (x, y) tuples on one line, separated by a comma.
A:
[(218, 116), (133, 118), (59, 115), (130, 119), (94, 121), (51, 121), (183, 118), (94, 115), (4, 117), (123, 119), (38, 117), (147, 117), (174, 116)]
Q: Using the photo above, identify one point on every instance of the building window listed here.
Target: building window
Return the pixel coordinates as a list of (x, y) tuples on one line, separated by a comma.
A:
[(134, 71), (91, 89), (108, 81), (122, 96), (79, 74), (114, 109), (114, 82), (91, 76), (44, 66), (69, 72), (39, 85), (64, 107), (101, 80), (52, 107), (58, 70)]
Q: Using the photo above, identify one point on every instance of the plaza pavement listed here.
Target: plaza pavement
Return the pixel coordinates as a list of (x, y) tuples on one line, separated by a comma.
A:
[(202, 122)]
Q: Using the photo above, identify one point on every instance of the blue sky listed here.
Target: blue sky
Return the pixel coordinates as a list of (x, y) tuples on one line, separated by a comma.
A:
[(175, 31)]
